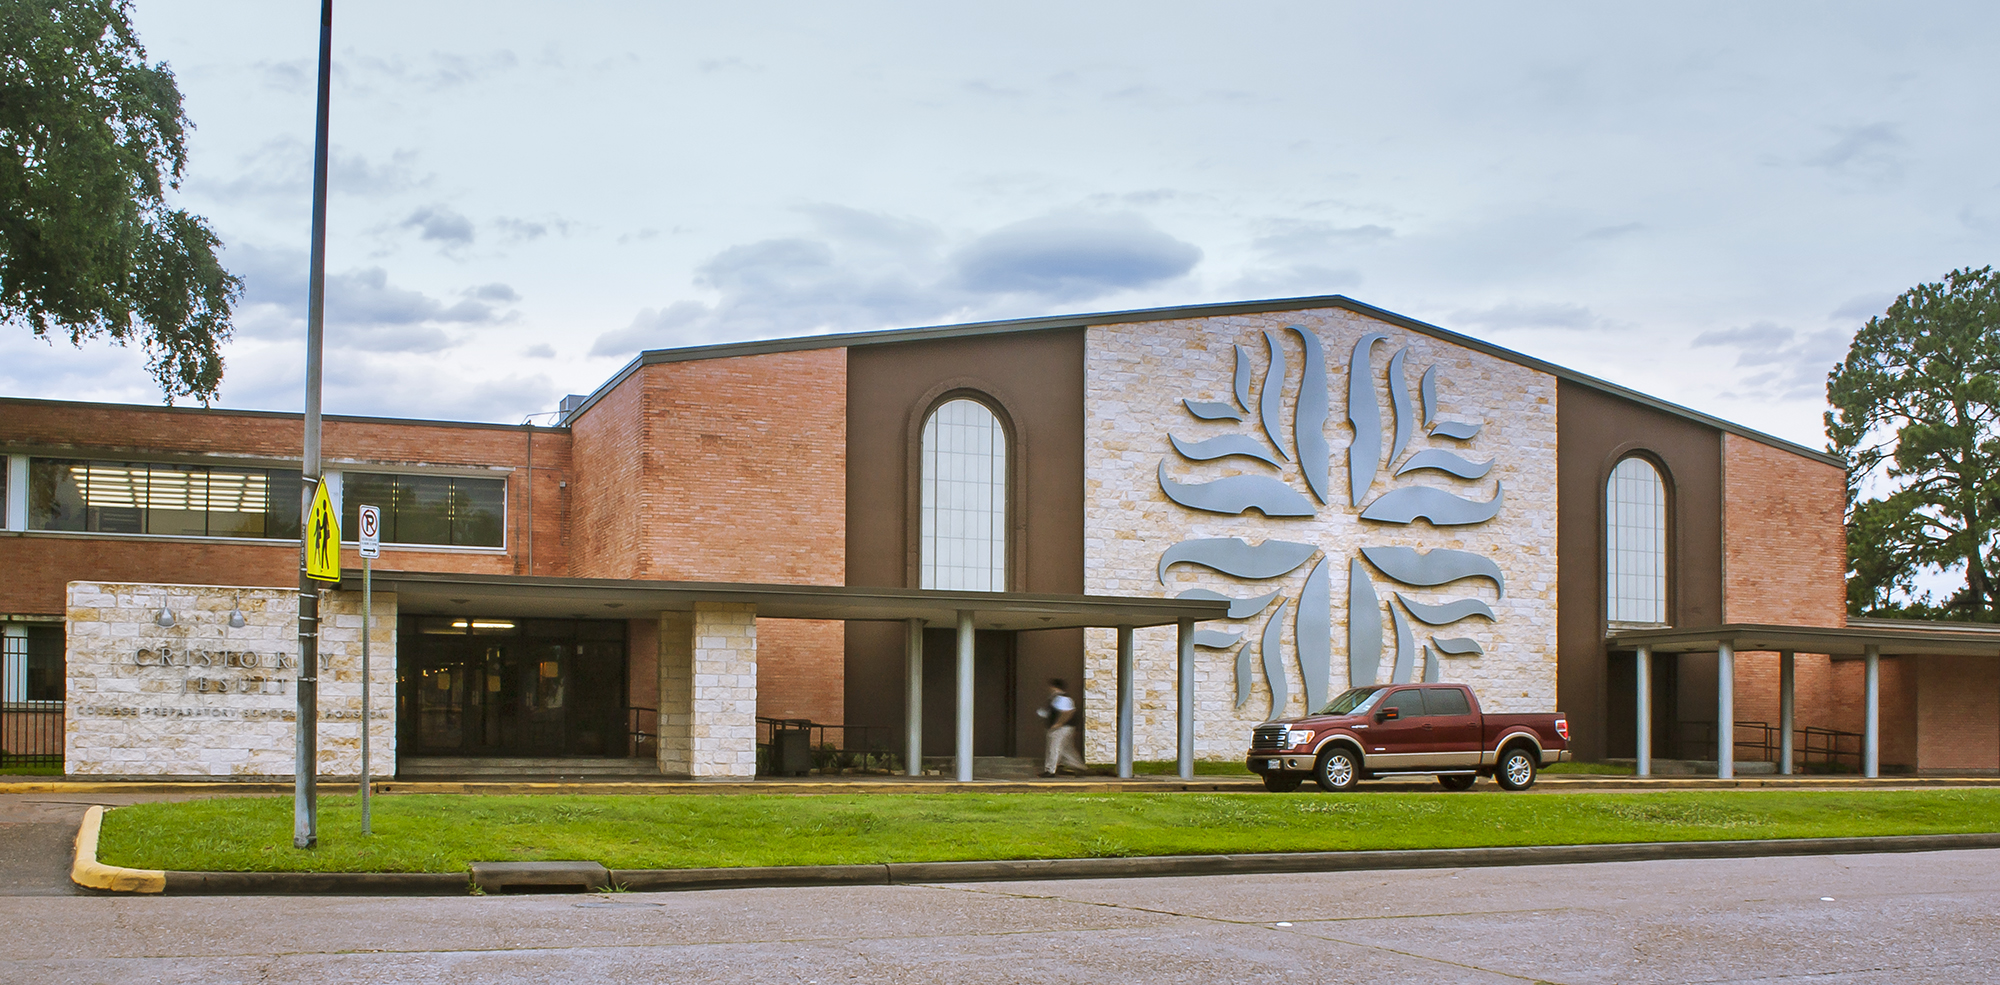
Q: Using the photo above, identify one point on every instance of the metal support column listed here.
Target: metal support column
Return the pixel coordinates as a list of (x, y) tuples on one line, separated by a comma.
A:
[(1725, 711), (913, 699), (1125, 702), (1184, 705), (1644, 709), (305, 731), (963, 758), (1787, 708), (1871, 732)]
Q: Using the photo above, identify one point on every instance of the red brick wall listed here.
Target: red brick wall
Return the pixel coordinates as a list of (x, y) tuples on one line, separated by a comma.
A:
[(40, 566), (39, 569), (1784, 563), (613, 493), (548, 521), (800, 670), (716, 470), (752, 457), (642, 662), (1848, 709), (1784, 537), (727, 470), (1960, 728)]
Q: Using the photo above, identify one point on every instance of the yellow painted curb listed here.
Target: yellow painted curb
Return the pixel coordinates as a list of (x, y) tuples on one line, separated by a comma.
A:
[(89, 873)]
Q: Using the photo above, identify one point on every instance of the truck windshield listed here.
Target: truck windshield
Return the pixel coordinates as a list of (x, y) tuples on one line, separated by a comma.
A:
[(1352, 701)]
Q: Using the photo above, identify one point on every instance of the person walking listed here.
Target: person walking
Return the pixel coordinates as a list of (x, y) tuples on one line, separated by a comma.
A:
[(1060, 711)]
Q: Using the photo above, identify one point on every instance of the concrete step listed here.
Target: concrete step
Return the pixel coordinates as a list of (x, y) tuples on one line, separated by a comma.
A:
[(524, 767)]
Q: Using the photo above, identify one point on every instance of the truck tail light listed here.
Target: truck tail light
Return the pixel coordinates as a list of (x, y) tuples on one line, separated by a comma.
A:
[(1562, 728)]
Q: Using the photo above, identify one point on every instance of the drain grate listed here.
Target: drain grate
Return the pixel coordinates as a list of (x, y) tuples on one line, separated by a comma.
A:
[(501, 878)]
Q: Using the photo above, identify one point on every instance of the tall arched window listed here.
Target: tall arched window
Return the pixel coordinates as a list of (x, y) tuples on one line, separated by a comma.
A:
[(964, 539), (1636, 544)]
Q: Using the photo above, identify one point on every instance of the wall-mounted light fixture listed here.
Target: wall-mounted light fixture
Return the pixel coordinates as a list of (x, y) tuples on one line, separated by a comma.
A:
[(236, 620), (165, 617)]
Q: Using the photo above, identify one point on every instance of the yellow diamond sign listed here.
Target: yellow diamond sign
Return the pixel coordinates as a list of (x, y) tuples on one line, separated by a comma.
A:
[(323, 538)]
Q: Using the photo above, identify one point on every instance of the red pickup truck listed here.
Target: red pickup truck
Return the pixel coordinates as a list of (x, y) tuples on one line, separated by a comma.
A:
[(1404, 729)]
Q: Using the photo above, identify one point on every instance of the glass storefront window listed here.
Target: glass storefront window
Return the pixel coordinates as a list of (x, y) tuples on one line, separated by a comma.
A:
[(162, 499), (452, 511)]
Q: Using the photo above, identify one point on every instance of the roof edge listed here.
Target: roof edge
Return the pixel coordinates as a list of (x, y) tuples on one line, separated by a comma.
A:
[(279, 414), (891, 336)]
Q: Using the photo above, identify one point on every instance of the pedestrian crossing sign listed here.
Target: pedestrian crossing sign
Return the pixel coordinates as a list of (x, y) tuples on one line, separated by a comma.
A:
[(323, 539)]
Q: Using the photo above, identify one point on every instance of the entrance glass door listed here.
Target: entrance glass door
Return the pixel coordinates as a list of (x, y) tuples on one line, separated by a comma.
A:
[(504, 687)]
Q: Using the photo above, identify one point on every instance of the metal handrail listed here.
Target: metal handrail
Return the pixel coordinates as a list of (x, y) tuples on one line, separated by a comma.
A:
[(1811, 743), (642, 729), (859, 746)]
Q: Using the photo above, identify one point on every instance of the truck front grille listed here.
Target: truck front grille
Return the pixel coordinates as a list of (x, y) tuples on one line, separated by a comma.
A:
[(1269, 737)]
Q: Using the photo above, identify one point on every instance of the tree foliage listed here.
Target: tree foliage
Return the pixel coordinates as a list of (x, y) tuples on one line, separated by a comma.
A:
[(1916, 415), (91, 139)]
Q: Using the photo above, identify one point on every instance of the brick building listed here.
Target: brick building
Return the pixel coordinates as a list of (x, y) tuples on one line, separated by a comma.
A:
[(726, 533)]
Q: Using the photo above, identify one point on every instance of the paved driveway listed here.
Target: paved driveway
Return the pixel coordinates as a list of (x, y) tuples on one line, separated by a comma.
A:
[(1831, 919), (38, 839)]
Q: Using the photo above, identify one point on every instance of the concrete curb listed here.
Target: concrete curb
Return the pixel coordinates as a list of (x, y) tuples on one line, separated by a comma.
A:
[(88, 872), (317, 884), (91, 874), (918, 873)]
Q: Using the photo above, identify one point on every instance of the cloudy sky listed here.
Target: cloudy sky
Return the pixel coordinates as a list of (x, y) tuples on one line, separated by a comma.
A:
[(1699, 201)]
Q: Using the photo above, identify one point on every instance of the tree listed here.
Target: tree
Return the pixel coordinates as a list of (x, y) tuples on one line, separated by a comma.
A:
[(91, 137), (1916, 416)]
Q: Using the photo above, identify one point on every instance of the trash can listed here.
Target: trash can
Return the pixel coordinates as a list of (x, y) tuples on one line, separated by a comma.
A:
[(791, 752)]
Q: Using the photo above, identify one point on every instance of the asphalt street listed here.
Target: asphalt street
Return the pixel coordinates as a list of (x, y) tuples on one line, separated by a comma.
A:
[(1827, 919)]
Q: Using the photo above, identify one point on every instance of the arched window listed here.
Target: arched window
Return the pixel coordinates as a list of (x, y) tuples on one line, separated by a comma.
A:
[(964, 539), (1635, 540)]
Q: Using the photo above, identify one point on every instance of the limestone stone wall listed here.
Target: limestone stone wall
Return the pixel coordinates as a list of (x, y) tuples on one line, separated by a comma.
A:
[(708, 691), (1137, 378), (204, 699), (676, 666)]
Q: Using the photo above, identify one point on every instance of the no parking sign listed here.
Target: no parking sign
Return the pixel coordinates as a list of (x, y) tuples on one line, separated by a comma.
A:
[(371, 532)]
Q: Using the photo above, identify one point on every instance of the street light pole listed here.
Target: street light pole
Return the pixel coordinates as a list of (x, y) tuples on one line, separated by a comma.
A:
[(305, 775)]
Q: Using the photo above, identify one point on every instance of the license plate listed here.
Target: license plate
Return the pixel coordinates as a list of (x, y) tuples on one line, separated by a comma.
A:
[(1270, 764)]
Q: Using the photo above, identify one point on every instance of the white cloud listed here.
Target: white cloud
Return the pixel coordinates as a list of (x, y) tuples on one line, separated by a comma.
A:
[(869, 270)]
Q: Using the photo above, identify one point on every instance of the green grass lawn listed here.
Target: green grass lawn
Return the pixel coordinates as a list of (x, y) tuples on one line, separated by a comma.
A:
[(1589, 769), (1168, 767), (443, 833)]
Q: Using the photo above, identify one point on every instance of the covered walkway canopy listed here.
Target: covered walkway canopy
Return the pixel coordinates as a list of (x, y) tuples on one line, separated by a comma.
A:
[(451, 594), (1861, 639)]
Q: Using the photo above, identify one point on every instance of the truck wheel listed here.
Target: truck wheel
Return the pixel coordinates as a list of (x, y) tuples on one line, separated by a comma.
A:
[(1337, 770), (1517, 769), (1277, 783), (1454, 781)]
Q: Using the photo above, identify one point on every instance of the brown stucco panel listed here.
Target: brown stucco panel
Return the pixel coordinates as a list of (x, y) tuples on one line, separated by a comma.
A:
[(1595, 430), (1036, 381)]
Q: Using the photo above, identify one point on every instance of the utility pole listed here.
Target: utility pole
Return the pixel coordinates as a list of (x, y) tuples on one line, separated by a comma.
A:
[(305, 787)]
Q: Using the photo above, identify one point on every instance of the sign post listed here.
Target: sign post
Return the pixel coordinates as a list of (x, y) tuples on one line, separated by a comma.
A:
[(371, 548), (322, 550)]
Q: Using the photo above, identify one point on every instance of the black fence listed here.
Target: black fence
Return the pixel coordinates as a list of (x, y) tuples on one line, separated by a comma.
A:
[(1814, 749), (31, 693), (796, 746)]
